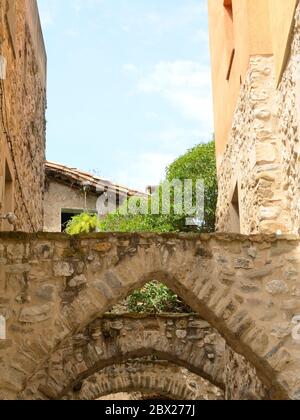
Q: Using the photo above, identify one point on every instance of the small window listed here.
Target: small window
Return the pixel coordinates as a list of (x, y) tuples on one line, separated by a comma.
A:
[(68, 214), (230, 65), (228, 7)]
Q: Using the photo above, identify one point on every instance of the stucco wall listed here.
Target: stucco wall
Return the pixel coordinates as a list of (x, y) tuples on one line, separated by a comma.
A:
[(263, 150), (281, 20), (22, 136), (259, 27), (59, 197), (250, 35)]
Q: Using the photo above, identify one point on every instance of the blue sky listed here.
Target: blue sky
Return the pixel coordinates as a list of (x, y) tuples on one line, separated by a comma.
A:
[(129, 84)]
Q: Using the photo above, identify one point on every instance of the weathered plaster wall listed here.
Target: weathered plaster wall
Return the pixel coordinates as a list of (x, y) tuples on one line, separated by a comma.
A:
[(248, 28), (58, 197), (247, 288), (245, 33), (23, 96), (282, 22)]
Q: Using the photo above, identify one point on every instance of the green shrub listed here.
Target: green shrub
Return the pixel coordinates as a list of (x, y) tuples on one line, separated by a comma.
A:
[(83, 223), (155, 297), (197, 163)]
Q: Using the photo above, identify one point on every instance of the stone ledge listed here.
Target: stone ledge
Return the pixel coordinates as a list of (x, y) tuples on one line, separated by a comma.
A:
[(204, 237)]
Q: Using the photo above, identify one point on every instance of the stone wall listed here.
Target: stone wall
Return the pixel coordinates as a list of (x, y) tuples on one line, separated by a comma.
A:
[(23, 102), (289, 125), (262, 155), (186, 341), (241, 380), (164, 378), (252, 158), (247, 288)]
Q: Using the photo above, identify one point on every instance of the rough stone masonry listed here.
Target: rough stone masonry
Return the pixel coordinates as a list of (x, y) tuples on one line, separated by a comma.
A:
[(52, 286), (22, 116), (263, 149)]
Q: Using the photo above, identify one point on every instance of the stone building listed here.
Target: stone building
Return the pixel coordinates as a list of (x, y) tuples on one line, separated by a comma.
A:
[(69, 192), (255, 50), (22, 116)]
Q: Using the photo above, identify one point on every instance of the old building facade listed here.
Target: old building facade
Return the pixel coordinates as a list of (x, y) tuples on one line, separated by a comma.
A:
[(22, 116), (69, 192), (255, 70)]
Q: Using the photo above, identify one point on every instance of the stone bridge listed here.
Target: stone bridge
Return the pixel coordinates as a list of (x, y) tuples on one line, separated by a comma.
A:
[(55, 289)]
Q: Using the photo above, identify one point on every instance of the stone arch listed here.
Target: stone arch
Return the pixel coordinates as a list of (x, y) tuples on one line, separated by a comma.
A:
[(185, 340), (244, 287), (160, 377)]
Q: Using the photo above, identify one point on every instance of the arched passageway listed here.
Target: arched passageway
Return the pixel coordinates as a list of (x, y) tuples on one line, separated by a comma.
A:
[(159, 377), (52, 286), (185, 340)]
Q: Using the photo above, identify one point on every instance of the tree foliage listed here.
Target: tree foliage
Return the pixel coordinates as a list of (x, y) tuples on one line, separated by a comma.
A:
[(197, 163)]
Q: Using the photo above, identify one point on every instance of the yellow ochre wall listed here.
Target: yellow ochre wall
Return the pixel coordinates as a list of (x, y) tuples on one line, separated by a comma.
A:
[(257, 27), (281, 19)]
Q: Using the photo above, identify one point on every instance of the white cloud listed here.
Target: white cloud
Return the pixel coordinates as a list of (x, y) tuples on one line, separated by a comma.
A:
[(186, 85), (144, 169), (149, 168)]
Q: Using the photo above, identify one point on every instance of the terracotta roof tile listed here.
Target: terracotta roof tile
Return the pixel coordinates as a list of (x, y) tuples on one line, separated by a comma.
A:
[(80, 178)]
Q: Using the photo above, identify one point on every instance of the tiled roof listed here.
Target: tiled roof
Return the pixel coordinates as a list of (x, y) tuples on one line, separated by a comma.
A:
[(78, 179)]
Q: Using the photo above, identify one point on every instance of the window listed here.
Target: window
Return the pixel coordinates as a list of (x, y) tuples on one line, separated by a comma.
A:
[(229, 25), (68, 214), (230, 65), (228, 7)]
